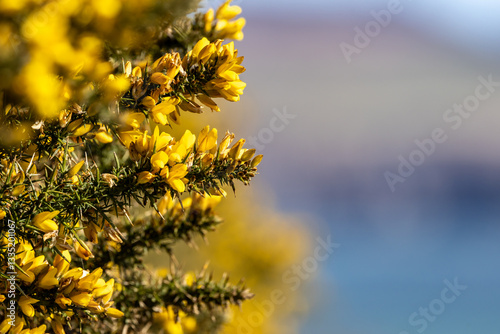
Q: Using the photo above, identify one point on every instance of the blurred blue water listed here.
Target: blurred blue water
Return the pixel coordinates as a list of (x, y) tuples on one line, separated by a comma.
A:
[(393, 260)]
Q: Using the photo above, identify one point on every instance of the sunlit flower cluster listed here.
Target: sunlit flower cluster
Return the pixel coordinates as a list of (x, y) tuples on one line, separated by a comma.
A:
[(209, 70), (170, 159)]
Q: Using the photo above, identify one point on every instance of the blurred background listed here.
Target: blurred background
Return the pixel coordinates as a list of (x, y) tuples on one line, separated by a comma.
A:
[(332, 127)]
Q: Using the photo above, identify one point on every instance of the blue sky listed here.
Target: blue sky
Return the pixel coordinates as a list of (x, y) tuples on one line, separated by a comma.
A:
[(473, 23)]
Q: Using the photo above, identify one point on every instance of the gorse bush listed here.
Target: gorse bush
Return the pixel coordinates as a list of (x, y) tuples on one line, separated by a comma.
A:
[(91, 180)]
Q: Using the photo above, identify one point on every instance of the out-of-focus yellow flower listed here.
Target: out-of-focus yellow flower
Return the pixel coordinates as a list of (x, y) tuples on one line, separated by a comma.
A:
[(209, 19), (2, 214), (189, 278), (167, 320), (224, 28), (189, 324), (227, 12), (107, 8)]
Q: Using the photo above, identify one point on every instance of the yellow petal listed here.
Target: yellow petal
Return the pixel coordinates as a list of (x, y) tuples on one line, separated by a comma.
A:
[(114, 313), (159, 78), (75, 169), (177, 185), (25, 304), (47, 225), (81, 298), (49, 280)]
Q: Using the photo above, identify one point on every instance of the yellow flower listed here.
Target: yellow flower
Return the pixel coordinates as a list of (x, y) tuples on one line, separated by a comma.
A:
[(26, 305), (82, 251), (2, 214), (207, 139), (49, 280), (44, 221), (170, 63), (235, 151), (114, 313), (159, 160), (63, 301), (208, 102), (148, 102), (62, 262), (209, 19), (227, 12), (175, 177), (167, 319), (82, 130), (37, 330), (89, 281), (223, 62), (247, 154), (36, 265), (189, 324), (158, 140), (145, 177), (256, 161), (103, 136), (81, 298), (57, 327), (224, 27), (104, 290), (165, 203), (5, 326), (74, 274), (75, 169), (159, 78), (230, 30), (161, 110), (135, 119), (189, 278)]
